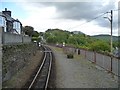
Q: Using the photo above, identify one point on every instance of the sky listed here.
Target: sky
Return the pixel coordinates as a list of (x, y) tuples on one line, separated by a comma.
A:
[(71, 15)]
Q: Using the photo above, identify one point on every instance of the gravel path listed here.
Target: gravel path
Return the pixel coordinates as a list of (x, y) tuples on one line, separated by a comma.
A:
[(80, 73)]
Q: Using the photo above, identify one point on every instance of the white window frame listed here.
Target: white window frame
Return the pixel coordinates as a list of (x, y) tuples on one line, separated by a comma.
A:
[(17, 27), (3, 22)]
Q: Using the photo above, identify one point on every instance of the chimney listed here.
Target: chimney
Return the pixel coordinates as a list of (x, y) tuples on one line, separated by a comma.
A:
[(5, 9), (6, 12)]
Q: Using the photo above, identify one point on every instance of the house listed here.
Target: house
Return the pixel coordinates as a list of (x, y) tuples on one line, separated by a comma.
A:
[(10, 24), (77, 32)]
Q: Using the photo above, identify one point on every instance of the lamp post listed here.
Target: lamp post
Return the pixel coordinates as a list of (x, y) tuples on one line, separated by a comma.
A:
[(111, 20)]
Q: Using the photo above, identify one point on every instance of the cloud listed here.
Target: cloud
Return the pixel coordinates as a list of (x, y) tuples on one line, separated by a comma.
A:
[(79, 10), (82, 10), (65, 15), (76, 10)]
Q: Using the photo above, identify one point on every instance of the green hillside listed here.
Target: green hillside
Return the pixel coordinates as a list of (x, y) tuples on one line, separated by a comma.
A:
[(105, 37), (57, 36)]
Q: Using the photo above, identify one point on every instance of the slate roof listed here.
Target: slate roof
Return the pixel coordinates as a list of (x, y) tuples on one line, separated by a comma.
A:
[(7, 17), (1, 14)]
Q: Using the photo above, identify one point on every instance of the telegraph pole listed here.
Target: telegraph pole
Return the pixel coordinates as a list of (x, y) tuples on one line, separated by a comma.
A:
[(111, 20)]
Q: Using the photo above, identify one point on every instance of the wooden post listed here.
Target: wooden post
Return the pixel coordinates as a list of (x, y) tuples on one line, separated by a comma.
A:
[(111, 65), (94, 57), (85, 53), (78, 51)]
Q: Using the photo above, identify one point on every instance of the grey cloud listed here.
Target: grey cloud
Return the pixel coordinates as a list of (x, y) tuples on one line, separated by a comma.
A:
[(81, 10), (75, 10)]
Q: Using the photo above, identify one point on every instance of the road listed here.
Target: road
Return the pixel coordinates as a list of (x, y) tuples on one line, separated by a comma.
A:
[(80, 73)]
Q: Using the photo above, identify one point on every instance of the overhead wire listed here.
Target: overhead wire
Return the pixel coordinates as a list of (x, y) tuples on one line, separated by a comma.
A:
[(92, 19), (116, 10), (88, 21)]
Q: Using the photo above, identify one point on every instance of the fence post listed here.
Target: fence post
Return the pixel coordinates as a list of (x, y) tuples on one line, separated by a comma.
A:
[(85, 53), (78, 51), (111, 65), (94, 56), (22, 39)]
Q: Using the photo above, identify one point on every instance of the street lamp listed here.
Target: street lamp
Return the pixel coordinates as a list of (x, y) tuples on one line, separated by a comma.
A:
[(111, 20)]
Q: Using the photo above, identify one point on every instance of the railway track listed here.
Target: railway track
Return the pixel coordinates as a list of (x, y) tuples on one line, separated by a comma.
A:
[(40, 78)]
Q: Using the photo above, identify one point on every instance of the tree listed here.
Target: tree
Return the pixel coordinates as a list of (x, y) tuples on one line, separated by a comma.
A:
[(100, 46), (41, 33), (35, 34), (28, 30), (51, 39), (38, 39), (76, 40), (72, 40)]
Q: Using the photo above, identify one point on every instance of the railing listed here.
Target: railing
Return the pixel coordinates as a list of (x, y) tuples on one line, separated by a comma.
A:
[(7, 38), (110, 63)]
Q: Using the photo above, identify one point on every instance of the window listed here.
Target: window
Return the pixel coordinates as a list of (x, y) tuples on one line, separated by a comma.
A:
[(0, 20), (17, 27), (3, 23)]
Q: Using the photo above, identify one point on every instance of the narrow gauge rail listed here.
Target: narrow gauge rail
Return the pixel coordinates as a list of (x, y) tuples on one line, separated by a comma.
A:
[(41, 77)]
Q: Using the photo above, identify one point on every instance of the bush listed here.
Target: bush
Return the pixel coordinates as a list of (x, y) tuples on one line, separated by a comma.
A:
[(38, 39), (70, 56)]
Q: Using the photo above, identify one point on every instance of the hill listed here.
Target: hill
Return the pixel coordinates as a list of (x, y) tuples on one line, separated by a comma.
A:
[(76, 39), (105, 37)]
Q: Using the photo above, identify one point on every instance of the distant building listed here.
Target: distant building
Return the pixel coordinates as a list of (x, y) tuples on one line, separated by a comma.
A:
[(10, 24), (77, 32)]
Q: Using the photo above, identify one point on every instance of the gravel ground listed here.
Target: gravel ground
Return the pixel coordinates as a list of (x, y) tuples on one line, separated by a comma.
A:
[(80, 73), (19, 80)]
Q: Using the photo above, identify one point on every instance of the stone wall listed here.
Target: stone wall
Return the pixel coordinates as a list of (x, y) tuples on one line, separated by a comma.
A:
[(15, 58), (0, 59), (10, 38), (7, 38)]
